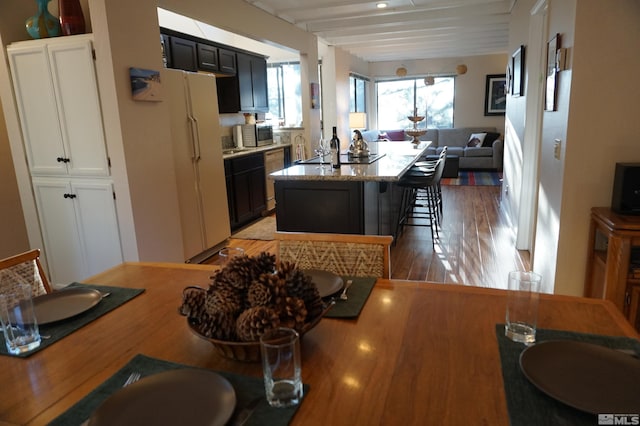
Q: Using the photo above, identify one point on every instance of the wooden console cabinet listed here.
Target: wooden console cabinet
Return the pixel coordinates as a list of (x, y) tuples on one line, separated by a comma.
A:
[(613, 238)]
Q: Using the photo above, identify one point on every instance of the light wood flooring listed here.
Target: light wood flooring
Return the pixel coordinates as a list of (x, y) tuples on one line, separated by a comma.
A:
[(476, 245)]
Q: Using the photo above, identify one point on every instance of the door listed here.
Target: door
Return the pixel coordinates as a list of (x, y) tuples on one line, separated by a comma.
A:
[(59, 107), (79, 226), (59, 230), (97, 224), (210, 166)]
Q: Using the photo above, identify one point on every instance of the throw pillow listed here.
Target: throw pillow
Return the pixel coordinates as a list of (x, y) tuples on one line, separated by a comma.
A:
[(490, 139), (476, 139), (396, 135)]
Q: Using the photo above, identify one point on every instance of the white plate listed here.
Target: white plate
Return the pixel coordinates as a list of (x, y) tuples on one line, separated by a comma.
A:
[(64, 304), (177, 397), (327, 282), (588, 377)]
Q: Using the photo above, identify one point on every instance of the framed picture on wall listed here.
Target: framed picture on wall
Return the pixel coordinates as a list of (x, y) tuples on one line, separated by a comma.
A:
[(495, 97), (517, 64), (145, 84), (551, 87)]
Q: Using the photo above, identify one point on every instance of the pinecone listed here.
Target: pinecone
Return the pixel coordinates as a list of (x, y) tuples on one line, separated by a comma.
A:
[(294, 313), (239, 273), (264, 263), (300, 285), (277, 288), (219, 325), (224, 298), (193, 303), (258, 295), (254, 322)]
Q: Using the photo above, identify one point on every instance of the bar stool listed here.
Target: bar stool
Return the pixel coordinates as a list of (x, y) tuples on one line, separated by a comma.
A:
[(421, 203)]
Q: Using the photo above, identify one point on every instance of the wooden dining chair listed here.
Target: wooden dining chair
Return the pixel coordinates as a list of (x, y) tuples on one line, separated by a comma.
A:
[(24, 268), (342, 254)]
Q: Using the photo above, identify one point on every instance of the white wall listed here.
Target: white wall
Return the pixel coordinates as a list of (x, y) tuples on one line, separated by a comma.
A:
[(595, 121), (601, 123)]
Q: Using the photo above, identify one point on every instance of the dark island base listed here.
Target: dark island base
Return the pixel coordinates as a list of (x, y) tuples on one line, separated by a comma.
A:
[(366, 208)]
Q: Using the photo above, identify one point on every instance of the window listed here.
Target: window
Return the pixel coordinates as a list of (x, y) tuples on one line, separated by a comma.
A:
[(285, 96), (400, 98), (358, 94)]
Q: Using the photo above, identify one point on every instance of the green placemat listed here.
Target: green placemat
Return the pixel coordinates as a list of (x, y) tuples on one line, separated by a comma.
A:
[(247, 389), (358, 294), (527, 405), (118, 296)]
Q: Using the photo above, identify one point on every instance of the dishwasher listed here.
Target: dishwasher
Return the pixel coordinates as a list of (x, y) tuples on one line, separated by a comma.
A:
[(273, 161)]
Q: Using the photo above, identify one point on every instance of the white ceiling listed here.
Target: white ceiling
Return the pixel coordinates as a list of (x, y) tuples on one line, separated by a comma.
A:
[(406, 29)]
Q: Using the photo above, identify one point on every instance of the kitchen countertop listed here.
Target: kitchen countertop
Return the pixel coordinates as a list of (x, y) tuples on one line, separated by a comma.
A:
[(239, 152), (397, 159)]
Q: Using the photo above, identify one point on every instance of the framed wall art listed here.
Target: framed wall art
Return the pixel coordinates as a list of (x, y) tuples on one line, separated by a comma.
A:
[(145, 84), (517, 66), (551, 87), (495, 97)]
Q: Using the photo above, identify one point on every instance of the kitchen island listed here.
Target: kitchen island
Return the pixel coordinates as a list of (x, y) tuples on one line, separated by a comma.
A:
[(359, 198)]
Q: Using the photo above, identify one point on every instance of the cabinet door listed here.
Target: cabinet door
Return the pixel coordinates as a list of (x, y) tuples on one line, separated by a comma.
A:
[(259, 84), (36, 103), (79, 111), (183, 54), (245, 82), (258, 192), (97, 224), (79, 227), (227, 61), (59, 107), (207, 57), (58, 224)]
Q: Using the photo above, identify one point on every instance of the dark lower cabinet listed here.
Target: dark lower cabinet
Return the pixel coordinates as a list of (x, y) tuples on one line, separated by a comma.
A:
[(246, 191)]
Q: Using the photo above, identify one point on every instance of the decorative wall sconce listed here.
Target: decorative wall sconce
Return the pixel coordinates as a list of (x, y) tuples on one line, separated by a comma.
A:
[(401, 72), (461, 69)]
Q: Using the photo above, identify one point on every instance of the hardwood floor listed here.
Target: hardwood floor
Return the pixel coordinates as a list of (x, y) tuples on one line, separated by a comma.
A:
[(476, 245)]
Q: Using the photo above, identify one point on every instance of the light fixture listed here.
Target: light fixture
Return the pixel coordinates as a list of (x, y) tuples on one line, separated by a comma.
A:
[(382, 4), (357, 120), (461, 69), (401, 72), (429, 81)]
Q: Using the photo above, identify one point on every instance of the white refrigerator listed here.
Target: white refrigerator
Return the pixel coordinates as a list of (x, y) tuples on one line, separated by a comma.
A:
[(197, 152)]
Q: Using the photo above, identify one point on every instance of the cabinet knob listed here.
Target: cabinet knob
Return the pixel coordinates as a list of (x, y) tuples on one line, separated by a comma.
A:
[(62, 160), (70, 196)]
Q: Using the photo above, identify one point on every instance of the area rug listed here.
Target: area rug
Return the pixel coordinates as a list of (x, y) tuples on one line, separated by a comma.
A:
[(474, 178), (260, 230)]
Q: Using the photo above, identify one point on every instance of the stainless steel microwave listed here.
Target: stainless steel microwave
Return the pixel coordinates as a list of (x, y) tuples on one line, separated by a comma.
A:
[(257, 134)]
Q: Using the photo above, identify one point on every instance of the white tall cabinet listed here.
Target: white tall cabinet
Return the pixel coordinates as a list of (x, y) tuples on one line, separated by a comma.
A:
[(59, 107)]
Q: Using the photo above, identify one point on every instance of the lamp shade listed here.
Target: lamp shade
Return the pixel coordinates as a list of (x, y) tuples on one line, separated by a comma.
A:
[(357, 120)]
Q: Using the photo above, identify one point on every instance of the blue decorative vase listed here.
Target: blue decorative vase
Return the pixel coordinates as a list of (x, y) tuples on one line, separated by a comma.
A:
[(43, 24)]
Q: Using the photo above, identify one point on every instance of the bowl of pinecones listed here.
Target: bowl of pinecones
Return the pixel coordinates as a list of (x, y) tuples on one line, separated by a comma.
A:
[(248, 297)]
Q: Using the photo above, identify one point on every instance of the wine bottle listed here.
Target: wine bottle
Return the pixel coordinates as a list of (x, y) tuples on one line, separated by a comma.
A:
[(335, 149)]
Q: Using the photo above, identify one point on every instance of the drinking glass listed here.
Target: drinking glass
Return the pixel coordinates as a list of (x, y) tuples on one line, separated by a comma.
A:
[(321, 151), (281, 366), (18, 318), (522, 306), (228, 253)]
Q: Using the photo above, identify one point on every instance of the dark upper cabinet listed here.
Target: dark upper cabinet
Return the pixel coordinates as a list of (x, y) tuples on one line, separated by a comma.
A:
[(208, 57), (183, 54), (247, 91), (227, 61), (165, 44)]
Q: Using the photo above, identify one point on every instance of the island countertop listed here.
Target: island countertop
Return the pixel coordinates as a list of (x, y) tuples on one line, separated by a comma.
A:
[(397, 159)]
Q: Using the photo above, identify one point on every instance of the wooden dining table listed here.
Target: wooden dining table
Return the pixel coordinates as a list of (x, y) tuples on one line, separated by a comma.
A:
[(419, 353)]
